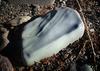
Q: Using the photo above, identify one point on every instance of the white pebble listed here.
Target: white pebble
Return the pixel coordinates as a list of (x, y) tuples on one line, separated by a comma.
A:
[(49, 34)]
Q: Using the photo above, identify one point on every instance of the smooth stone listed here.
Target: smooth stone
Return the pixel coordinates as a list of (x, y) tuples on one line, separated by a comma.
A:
[(86, 68), (83, 67), (47, 35), (5, 64)]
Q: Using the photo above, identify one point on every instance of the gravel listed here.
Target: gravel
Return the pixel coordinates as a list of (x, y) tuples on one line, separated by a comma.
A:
[(61, 61)]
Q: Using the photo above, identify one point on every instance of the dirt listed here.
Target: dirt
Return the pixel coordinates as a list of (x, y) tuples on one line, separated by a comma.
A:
[(79, 52)]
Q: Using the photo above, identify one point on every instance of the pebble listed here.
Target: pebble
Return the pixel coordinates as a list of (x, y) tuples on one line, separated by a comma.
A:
[(19, 20), (5, 64), (86, 68), (48, 34)]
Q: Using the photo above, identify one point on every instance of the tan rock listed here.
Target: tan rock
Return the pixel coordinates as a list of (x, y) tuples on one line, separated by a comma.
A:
[(19, 20), (5, 64), (3, 37)]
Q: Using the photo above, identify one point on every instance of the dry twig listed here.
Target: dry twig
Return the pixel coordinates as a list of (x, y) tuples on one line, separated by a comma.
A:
[(87, 28)]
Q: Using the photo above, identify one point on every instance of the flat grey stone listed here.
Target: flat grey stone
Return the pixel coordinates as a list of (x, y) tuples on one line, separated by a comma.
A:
[(48, 34)]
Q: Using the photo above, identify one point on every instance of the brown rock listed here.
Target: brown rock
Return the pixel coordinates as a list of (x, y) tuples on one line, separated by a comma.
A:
[(5, 64), (3, 37), (19, 20)]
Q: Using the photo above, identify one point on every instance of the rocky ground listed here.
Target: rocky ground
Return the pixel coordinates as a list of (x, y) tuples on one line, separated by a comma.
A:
[(80, 52)]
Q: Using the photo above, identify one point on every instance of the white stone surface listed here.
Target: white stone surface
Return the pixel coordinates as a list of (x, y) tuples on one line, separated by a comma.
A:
[(48, 34)]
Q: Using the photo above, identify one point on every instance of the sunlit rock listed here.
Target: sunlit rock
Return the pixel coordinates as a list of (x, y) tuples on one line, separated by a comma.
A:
[(82, 67), (48, 34), (19, 20)]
